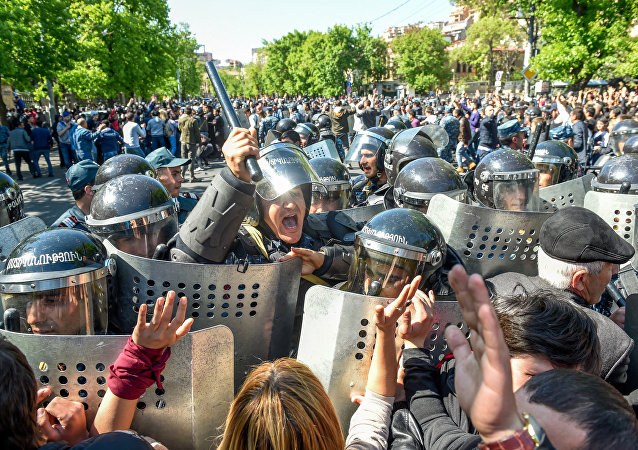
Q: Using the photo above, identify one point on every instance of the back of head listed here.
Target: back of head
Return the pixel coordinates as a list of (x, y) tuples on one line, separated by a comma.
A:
[(590, 403), (542, 324), (18, 428), (282, 405)]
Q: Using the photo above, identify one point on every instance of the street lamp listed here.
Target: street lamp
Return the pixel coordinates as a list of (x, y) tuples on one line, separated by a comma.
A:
[(453, 79)]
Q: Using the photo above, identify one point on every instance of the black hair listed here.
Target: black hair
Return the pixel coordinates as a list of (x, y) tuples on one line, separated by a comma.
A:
[(578, 113), (129, 116), (79, 194), (188, 110), (541, 323), (587, 400)]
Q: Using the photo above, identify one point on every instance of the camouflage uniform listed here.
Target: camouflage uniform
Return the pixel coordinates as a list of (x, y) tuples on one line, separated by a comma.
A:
[(453, 127), (72, 218), (269, 123)]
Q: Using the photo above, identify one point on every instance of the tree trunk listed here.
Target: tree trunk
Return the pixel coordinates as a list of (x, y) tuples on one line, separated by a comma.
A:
[(580, 84), (3, 109)]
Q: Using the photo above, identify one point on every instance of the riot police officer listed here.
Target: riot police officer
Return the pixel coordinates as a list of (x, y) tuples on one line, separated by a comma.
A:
[(336, 180), (126, 164), (135, 213), (619, 176), (556, 161), (622, 131), (394, 247), (80, 177), (507, 179), (422, 179), (55, 282), (396, 124), (407, 146), (308, 132), (169, 173), (631, 146), (368, 150), (276, 133), (11, 200), (323, 123)]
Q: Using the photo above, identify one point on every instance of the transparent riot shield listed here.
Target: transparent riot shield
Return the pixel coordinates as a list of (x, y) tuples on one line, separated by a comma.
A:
[(338, 335), (12, 234), (489, 241), (568, 193), (358, 215), (257, 304), (619, 211), (322, 149), (186, 413)]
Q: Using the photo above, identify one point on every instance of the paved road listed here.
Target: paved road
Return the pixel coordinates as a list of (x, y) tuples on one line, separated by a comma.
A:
[(48, 198)]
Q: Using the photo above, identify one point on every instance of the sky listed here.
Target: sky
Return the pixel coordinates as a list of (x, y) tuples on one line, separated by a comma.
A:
[(230, 29)]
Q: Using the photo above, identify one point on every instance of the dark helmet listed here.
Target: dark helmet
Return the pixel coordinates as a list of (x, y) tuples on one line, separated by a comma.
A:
[(199, 110), (285, 167), (619, 175), (308, 132), (631, 146), (533, 112), (119, 165), (506, 179), (407, 146), (375, 139), (55, 282), (135, 213), (556, 159), (396, 124), (622, 131), (336, 179), (322, 121), (422, 179), (439, 110), (11, 200), (395, 246), (285, 125)]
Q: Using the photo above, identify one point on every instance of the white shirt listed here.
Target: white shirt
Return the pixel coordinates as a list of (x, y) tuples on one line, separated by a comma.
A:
[(132, 134)]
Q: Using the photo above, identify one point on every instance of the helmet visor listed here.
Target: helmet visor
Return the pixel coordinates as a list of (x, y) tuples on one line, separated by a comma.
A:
[(363, 142), (379, 274), (421, 200), (549, 173), (142, 241), (517, 195), (333, 200), (617, 140), (72, 310), (285, 167)]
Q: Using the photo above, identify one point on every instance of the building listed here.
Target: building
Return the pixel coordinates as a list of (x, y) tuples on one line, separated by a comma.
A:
[(204, 56)]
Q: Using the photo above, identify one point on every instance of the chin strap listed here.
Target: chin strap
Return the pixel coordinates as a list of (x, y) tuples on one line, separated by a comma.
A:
[(257, 237)]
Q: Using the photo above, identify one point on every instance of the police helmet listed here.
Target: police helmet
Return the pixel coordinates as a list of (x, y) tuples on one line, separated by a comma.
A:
[(199, 110), (135, 213), (374, 140), (308, 132), (422, 179), (622, 131), (55, 282), (336, 179), (533, 112), (395, 246), (404, 147), (631, 146), (322, 121), (619, 176), (125, 164), (396, 124), (11, 200), (556, 162), (507, 179), (285, 125)]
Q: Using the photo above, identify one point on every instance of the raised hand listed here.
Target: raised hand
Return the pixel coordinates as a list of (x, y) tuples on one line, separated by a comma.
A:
[(416, 323), (483, 378), (240, 144), (310, 259), (161, 331)]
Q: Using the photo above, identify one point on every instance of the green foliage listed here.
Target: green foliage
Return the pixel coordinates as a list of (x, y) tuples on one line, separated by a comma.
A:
[(422, 59), (191, 70), (232, 82), (486, 45)]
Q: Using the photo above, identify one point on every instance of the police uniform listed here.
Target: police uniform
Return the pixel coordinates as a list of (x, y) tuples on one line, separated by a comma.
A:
[(72, 218), (452, 127), (269, 123), (363, 188), (187, 201)]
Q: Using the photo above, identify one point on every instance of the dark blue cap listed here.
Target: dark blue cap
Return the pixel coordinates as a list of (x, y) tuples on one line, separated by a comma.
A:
[(509, 128), (81, 174), (561, 133)]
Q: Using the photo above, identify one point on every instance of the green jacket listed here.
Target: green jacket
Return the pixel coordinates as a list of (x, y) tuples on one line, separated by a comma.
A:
[(189, 127)]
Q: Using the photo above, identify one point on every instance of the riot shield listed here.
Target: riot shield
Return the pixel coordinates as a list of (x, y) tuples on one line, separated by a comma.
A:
[(359, 215), (326, 148), (186, 413), (270, 137), (619, 211), (251, 300), (567, 193), (489, 241), (338, 335), (12, 234)]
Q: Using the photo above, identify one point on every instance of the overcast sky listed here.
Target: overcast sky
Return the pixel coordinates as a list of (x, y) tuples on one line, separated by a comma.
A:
[(230, 29)]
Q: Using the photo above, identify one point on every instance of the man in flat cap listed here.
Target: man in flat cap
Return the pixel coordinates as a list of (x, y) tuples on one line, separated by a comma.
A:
[(511, 135), (578, 255)]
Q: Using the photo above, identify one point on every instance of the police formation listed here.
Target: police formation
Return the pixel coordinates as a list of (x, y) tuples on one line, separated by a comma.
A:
[(294, 264)]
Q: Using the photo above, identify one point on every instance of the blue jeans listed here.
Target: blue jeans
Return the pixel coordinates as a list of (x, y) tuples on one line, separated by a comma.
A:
[(157, 142), (134, 151), (36, 160), (85, 154), (461, 153), (3, 152), (67, 154), (108, 155), (173, 140)]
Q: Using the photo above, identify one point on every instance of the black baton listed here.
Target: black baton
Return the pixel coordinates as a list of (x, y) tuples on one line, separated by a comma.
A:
[(231, 117)]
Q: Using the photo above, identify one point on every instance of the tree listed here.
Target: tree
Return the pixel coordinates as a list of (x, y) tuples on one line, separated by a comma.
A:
[(183, 57), (485, 39), (36, 41), (421, 58)]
